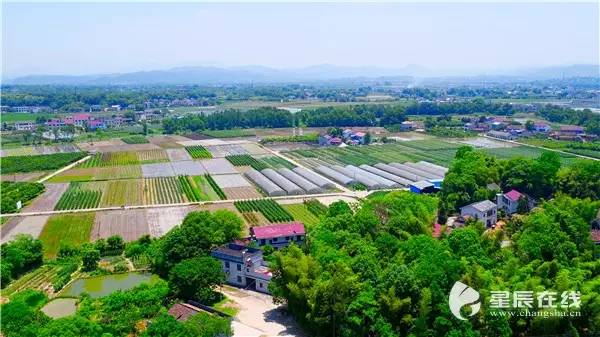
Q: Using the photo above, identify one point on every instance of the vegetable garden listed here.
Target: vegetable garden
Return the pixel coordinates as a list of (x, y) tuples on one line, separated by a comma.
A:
[(152, 156), (163, 190), (215, 187), (112, 159), (246, 160), (189, 187), (77, 197), (54, 273), (301, 213), (71, 229), (43, 162), (198, 152), (268, 207), (135, 139)]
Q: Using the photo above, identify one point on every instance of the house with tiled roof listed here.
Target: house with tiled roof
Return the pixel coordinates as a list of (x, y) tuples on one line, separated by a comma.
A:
[(278, 235), (183, 311), (509, 201), (243, 266), (484, 211)]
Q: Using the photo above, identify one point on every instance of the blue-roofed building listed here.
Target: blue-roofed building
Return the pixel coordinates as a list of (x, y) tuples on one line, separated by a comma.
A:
[(422, 187)]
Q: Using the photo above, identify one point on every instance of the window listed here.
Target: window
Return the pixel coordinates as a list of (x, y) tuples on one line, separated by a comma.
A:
[(239, 267), (260, 284), (274, 240), (247, 270), (226, 264), (239, 279), (262, 241), (287, 238), (299, 238)]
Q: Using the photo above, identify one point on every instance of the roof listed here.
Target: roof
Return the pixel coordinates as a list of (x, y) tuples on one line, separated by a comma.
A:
[(82, 116), (571, 128), (513, 195), (482, 206), (360, 134), (278, 230), (182, 311), (235, 250), (421, 184), (595, 235)]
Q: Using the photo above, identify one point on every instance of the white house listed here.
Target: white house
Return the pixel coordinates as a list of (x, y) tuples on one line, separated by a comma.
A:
[(244, 266), (484, 211), (509, 201)]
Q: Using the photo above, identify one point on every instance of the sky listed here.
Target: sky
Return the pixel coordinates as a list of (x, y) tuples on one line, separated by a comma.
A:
[(80, 38)]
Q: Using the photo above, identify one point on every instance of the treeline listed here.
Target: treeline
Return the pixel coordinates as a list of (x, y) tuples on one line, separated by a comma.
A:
[(13, 192), (585, 117), (378, 271)]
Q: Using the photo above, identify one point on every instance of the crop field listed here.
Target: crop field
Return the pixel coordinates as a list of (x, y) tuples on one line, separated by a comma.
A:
[(123, 192), (188, 168), (198, 152), (11, 193), (206, 190), (301, 213), (224, 150), (241, 192), (178, 155), (164, 190), (73, 228), (162, 220), (189, 188), (38, 163), (230, 133), (135, 139), (218, 166), (247, 160), (231, 180), (118, 172), (112, 159), (41, 279), (268, 207), (167, 142), (277, 162), (315, 207), (152, 156), (130, 224), (80, 196), (526, 151), (209, 179)]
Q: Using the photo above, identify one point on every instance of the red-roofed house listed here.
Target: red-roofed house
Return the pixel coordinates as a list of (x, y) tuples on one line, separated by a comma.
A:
[(509, 201), (183, 311), (278, 235)]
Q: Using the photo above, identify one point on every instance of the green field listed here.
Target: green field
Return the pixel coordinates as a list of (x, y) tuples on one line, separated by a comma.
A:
[(527, 152), (206, 190), (302, 214), (10, 117), (111, 159), (135, 139), (230, 133), (80, 196), (268, 207), (71, 229), (198, 152)]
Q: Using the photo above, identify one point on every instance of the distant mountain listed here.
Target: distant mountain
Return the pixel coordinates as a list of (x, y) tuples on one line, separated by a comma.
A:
[(260, 74)]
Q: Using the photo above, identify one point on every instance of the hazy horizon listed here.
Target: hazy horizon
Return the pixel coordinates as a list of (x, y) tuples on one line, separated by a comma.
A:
[(83, 39)]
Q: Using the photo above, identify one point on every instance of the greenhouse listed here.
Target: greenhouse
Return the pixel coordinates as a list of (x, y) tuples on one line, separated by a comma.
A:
[(340, 178), (300, 181), (387, 175), (270, 188), (401, 173), (425, 170), (386, 183), (282, 181), (421, 173), (313, 177), (441, 171), (359, 177)]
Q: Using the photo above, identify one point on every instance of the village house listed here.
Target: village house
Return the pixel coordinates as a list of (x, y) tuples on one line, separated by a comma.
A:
[(502, 135), (541, 127), (278, 235), (477, 127), (243, 266), (407, 126), (509, 201), (484, 211), (24, 126)]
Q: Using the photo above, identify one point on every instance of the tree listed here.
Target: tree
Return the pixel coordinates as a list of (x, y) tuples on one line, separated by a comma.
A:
[(529, 125), (196, 278), (90, 257), (115, 244), (367, 139)]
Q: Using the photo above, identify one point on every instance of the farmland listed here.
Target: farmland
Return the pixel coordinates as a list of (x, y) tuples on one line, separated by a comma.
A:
[(246, 160), (152, 156), (123, 192), (198, 152), (163, 190), (73, 229), (315, 207), (267, 207), (230, 133), (526, 151), (43, 162), (205, 188), (49, 277), (111, 159), (135, 139), (301, 213), (77, 197), (189, 187), (129, 224), (215, 187)]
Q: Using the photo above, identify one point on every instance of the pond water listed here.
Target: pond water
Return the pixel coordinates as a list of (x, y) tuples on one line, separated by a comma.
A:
[(99, 286), (60, 307)]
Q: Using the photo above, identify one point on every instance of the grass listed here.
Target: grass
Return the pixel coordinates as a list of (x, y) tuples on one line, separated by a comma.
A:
[(302, 214), (60, 229), (227, 306), (135, 139)]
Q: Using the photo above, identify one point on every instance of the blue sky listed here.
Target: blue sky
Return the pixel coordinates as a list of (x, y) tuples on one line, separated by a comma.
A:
[(72, 38)]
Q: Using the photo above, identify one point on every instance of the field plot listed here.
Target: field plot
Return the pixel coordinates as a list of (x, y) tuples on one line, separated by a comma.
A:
[(528, 152), (206, 190), (483, 142), (152, 156), (111, 159), (47, 200), (162, 220), (178, 155), (135, 139), (123, 192), (189, 168), (130, 224), (118, 172), (268, 207), (231, 180), (301, 213), (115, 145), (75, 174), (247, 160), (31, 176), (277, 162), (165, 190), (241, 192), (220, 151), (254, 149), (81, 196), (19, 151), (71, 229), (230, 133), (31, 225), (41, 279), (157, 170), (198, 152), (218, 166), (167, 142)]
